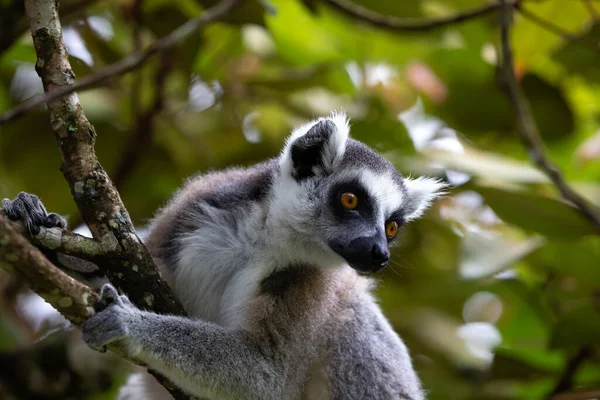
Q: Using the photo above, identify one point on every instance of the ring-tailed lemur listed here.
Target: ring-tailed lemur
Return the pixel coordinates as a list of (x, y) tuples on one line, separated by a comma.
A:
[(265, 261)]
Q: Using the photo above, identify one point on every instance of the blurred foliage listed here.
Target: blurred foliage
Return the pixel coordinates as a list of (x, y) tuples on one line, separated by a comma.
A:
[(497, 288)]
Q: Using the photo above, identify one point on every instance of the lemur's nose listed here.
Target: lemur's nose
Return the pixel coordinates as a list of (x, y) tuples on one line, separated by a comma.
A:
[(380, 255)]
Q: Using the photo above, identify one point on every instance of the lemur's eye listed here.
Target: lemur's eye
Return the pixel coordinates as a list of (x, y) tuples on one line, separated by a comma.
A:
[(349, 201), (391, 229)]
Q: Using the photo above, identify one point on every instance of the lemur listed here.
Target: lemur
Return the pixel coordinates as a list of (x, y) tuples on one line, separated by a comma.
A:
[(270, 265)]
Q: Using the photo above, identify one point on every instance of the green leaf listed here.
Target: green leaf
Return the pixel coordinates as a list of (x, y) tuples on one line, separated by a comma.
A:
[(532, 42), (578, 327), (487, 165), (549, 106), (487, 253), (382, 130), (310, 43), (581, 59), (577, 260), (534, 212)]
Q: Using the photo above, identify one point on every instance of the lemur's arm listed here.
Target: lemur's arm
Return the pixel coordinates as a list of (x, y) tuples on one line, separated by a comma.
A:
[(200, 357)]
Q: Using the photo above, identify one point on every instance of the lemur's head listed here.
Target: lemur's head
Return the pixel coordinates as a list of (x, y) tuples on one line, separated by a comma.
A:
[(344, 197)]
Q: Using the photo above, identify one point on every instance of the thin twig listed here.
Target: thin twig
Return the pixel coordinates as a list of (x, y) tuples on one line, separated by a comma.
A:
[(144, 125), (578, 395), (401, 24), (136, 33), (527, 127), (126, 64), (565, 383), (15, 27), (557, 30), (130, 266), (591, 9)]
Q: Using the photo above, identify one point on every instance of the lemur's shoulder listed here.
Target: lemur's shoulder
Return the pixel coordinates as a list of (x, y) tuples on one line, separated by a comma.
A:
[(228, 188)]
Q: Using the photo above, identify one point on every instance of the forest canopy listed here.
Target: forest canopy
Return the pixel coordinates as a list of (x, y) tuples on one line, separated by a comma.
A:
[(496, 291)]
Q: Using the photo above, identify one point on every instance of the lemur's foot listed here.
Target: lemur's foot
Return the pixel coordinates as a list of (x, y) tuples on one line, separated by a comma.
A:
[(29, 209)]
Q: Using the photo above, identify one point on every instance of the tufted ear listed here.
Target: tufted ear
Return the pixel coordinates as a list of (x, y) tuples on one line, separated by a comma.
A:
[(316, 148), (421, 192)]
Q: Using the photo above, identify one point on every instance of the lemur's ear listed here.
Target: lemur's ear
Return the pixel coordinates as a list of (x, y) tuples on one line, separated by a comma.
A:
[(315, 149), (421, 192)]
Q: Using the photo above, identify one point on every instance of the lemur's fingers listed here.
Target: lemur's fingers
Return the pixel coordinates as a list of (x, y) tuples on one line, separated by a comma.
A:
[(55, 220), (110, 296), (31, 211)]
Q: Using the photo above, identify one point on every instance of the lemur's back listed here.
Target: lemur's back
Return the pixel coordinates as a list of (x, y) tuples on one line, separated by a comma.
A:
[(200, 217), (228, 188)]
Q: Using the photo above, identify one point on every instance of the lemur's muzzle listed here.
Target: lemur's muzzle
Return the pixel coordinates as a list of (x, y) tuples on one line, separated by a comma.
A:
[(364, 254)]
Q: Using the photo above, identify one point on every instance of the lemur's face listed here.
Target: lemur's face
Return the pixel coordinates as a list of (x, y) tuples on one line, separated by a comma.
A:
[(362, 215), (344, 196)]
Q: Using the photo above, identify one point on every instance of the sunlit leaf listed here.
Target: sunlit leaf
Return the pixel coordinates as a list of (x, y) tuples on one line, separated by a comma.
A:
[(536, 213)]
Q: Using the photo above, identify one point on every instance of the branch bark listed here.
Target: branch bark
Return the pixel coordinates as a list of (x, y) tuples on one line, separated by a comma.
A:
[(130, 266), (565, 383), (71, 298), (125, 260), (74, 300), (124, 65), (412, 25), (62, 241), (13, 22), (526, 125)]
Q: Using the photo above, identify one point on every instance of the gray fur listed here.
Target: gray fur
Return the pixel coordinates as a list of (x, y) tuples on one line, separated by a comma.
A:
[(29, 209), (276, 311)]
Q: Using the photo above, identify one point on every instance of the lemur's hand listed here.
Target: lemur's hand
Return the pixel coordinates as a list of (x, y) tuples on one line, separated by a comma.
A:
[(114, 317), (29, 209)]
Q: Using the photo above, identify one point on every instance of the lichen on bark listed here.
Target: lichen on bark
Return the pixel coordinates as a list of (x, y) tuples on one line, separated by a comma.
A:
[(91, 188)]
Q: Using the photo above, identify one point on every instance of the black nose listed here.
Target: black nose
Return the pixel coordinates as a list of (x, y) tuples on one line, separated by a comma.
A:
[(381, 256), (365, 253)]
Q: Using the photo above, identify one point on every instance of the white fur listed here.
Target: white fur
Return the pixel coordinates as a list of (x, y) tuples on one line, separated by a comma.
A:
[(214, 258), (220, 266), (421, 192), (334, 150), (388, 194)]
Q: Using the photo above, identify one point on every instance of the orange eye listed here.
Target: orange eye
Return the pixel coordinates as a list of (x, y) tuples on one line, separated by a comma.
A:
[(391, 229), (349, 201)]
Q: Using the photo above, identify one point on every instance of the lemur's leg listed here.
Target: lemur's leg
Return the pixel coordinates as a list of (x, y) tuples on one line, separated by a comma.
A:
[(202, 358), (29, 209)]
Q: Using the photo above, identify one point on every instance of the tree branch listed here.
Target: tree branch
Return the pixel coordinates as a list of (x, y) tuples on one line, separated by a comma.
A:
[(144, 125), (565, 382), (74, 300), (527, 127), (124, 65), (578, 395), (400, 24), (13, 23), (71, 298), (557, 30), (591, 9), (129, 265), (62, 241)]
